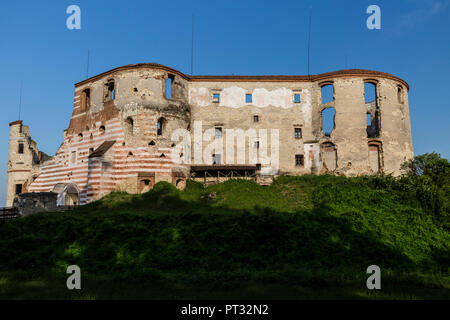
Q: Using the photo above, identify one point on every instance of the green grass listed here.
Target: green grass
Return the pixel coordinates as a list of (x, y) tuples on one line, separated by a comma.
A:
[(302, 237)]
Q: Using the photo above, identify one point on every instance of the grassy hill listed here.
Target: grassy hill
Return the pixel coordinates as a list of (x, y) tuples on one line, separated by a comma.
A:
[(301, 237)]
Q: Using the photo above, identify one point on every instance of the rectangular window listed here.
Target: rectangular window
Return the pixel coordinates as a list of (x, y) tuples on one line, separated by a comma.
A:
[(255, 118), (299, 160), (298, 133), (18, 188), (256, 144), (297, 98), (218, 132), (73, 157), (216, 158), (169, 83), (86, 96), (248, 98), (20, 148), (216, 97)]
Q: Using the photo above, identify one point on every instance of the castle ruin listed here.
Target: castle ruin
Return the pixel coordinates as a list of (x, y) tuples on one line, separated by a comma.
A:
[(123, 133)]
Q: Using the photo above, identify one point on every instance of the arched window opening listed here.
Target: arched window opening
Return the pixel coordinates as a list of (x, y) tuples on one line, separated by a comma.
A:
[(180, 184), (400, 94), (129, 126), (328, 121), (110, 92), (370, 92), (80, 137), (160, 126), (130, 154), (151, 143), (327, 92), (329, 156), (101, 129)]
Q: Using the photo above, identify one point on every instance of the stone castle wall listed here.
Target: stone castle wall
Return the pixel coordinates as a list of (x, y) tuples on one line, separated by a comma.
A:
[(126, 127)]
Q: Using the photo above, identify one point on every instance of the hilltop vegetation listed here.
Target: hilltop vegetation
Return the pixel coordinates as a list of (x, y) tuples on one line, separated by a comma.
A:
[(301, 237)]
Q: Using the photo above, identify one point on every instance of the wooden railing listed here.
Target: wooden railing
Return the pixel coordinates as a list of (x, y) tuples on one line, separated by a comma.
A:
[(8, 213)]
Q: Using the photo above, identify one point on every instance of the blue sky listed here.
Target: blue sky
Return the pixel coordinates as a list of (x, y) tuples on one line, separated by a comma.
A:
[(231, 37)]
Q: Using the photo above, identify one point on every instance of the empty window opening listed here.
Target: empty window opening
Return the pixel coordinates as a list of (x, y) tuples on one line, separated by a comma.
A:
[(130, 154), (400, 94), (375, 157), (255, 118), (101, 129), (327, 93), (20, 149), (297, 98), (73, 157), (18, 188), (110, 91), (80, 136), (151, 143), (129, 125), (86, 96), (328, 118), (373, 124), (298, 133), (248, 98), (370, 92), (91, 136), (218, 132), (216, 97), (135, 89), (162, 155), (329, 156), (160, 126), (256, 145), (299, 160), (146, 182), (169, 82), (258, 166), (216, 158), (91, 150)]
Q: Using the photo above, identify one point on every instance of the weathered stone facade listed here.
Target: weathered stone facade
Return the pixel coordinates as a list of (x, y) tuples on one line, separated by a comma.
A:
[(126, 128)]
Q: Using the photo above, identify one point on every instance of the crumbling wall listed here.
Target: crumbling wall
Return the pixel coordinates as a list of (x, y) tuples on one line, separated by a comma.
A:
[(120, 135)]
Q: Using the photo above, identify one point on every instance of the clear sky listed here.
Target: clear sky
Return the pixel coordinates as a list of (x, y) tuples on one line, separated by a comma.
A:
[(243, 37)]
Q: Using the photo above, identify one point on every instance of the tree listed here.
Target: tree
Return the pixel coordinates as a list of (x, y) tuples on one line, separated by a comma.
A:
[(430, 165)]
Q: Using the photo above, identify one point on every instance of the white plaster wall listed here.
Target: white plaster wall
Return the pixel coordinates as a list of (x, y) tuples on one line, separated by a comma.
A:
[(312, 153), (234, 97)]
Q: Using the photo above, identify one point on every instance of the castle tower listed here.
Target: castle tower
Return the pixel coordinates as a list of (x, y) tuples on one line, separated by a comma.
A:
[(19, 160)]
